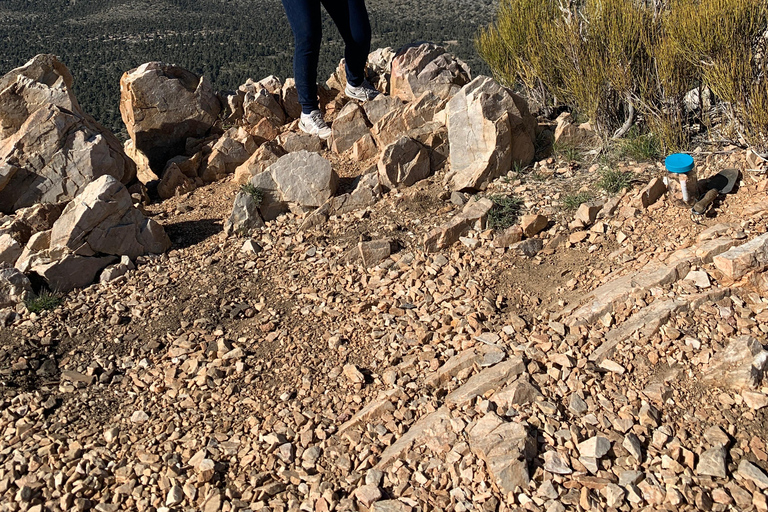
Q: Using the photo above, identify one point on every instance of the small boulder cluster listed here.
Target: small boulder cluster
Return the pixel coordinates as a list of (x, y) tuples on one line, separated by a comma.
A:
[(66, 206)]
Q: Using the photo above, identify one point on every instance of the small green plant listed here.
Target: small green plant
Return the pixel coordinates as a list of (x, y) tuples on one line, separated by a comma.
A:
[(613, 181), (567, 152), (256, 193), (573, 201), (504, 211), (640, 147), (46, 301)]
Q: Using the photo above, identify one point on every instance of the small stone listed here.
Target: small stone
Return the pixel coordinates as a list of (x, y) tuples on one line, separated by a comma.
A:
[(754, 400), (353, 374), (632, 477), (368, 494), (587, 213), (614, 495), (556, 463), (111, 434), (749, 471), (530, 247), (595, 447), (251, 247), (205, 470), (577, 404), (533, 224), (699, 278), (175, 496), (632, 445), (712, 463), (139, 417)]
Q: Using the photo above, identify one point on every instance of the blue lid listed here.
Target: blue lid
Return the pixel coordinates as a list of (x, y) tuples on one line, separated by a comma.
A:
[(679, 163)]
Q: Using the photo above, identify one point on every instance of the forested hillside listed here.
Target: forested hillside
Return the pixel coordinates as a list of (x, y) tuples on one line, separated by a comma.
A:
[(226, 40)]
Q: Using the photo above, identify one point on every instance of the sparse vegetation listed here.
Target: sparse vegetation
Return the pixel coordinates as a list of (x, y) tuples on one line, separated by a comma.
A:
[(504, 212), (639, 147), (567, 152), (613, 181), (256, 193), (45, 301), (573, 201), (618, 61)]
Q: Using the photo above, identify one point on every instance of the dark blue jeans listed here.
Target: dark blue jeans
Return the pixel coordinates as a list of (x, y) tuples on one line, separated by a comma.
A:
[(351, 18)]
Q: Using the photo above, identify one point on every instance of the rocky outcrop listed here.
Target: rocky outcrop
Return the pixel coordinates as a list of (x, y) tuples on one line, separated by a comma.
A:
[(162, 105), (489, 128), (426, 67), (50, 150), (229, 152), (94, 230)]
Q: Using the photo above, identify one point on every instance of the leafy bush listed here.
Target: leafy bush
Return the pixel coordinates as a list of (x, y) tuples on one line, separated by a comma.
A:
[(618, 60)]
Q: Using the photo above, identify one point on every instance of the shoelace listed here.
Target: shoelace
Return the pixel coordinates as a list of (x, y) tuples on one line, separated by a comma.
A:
[(317, 120)]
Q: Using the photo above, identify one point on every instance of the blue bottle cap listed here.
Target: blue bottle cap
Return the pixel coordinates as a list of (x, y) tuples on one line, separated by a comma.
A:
[(679, 163)]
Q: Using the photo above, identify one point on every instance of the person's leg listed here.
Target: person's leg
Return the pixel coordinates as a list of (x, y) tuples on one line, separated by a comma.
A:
[(351, 18), (304, 18)]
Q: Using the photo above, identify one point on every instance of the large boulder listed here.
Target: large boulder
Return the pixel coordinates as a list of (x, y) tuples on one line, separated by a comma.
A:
[(103, 220), (301, 181), (162, 105), (489, 128), (349, 127), (426, 67), (95, 229), (49, 148), (403, 163)]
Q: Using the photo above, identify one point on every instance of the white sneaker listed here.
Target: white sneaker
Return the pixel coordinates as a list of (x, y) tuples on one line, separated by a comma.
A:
[(314, 124), (364, 92)]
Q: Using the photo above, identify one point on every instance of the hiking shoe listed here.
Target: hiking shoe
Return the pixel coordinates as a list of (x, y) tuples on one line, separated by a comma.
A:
[(363, 92), (314, 124)]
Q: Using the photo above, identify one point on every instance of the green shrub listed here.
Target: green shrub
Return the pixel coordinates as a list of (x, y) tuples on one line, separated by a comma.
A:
[(504, 211), (256, 193), (639, 147), (46, 301), (617, 61), (613, 181)]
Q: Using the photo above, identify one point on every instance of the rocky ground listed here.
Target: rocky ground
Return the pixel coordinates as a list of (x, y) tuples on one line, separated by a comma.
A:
[(279, 372)]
